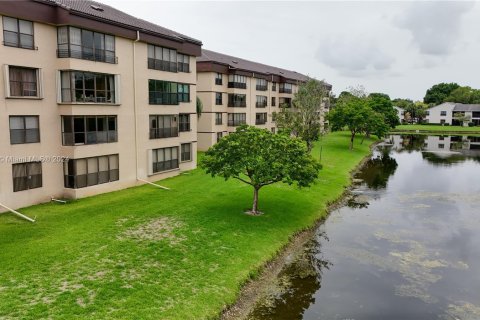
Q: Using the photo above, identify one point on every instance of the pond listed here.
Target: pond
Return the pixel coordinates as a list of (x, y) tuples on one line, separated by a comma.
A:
[(405, 246)]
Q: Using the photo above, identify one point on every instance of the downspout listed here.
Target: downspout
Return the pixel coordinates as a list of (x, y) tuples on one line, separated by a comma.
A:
[(135, 103)]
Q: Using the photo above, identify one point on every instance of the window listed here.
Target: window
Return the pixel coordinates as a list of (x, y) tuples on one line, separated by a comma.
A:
[(274, 86), (24, 129), (183, 63), (273, 129), (86, 172), (441, 146), (237, 100), (285, 102), (218, 79), (164, 159), (184, 122), (261, 118), (262, 85), (237, 119), (261, 102), (164, 59), (80, 130), (273, 101), (17, 33), (27, 176), (442, 121), (23, 82), (87, 87), (183, 93), (167, 93), (219, 136), (443, 113), (237, 81), (163, 126), (285, 88), (441, 138), (218, 118), (85, 44), (186, 152), (218, 98)]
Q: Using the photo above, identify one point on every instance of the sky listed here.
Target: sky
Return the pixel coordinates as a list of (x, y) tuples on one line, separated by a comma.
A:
[(398, 48)]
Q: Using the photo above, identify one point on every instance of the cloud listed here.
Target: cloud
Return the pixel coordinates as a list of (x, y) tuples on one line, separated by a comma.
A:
[(435, 26), (353, 56)]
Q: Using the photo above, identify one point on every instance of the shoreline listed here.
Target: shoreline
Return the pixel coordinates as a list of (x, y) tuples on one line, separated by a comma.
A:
[(255, 289)]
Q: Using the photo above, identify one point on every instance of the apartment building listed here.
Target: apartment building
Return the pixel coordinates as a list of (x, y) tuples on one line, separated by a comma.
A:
[(450, 112), (91, 100), (236, 91)]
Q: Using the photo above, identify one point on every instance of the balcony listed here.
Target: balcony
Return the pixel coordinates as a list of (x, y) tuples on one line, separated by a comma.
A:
[(260, 121), (261, 104), (162, 65), (165, 165), (183, 67), (238, 85), (218, 81), (184, 127), (88, 54), (236, 123), (237, 104), (160, 133), (285, 90), (262, 87), (89, 137)]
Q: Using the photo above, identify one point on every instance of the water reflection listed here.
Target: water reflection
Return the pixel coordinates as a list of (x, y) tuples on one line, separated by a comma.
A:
[(406, 249)]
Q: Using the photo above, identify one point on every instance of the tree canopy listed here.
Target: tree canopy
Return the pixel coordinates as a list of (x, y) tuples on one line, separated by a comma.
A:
[(381, 103), (437, 93), (259, 158), (358, 116), (305, 120)]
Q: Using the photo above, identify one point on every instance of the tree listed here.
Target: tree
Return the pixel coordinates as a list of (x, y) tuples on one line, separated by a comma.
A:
[(437, 93), (259, 158), (381, 103), (199, 107), (465, 95), (304, 121)]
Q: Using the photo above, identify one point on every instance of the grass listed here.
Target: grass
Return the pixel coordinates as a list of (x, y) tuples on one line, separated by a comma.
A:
[(146, 253), (435, 128)]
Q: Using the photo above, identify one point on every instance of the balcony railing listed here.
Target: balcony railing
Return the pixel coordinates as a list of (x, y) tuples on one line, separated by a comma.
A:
[(236, 123), (261, 104), (238, 85), (88, 54), (161, 133), (260, 121), (184, 127), (86, 180), (218, 81), (183, 67), (162, 65), (285, 90), (262, 87), (237, 104), (89, 137), (163, 98)]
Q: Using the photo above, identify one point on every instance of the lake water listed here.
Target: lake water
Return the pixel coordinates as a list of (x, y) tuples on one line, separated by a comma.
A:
[(407, 245)]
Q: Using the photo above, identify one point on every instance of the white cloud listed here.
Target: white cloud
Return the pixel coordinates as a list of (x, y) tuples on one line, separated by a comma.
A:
[(435, 26)]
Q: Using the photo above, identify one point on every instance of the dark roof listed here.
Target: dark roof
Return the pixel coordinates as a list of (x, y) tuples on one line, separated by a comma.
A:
[(87, 8), (239, 63), (466, 107)]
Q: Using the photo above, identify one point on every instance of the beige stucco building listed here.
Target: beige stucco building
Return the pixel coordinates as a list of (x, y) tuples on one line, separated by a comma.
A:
[(236, 91), (91, 100)]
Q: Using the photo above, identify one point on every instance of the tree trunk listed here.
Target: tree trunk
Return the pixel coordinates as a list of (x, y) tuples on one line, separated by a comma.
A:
[(351, 140), (255, 201)]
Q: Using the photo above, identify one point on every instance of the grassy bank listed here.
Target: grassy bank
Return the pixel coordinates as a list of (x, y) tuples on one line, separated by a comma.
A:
[(146, 253), (425, 128)]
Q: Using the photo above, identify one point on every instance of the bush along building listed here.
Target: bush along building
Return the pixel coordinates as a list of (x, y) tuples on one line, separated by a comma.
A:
[(91, 100), (235, 91)]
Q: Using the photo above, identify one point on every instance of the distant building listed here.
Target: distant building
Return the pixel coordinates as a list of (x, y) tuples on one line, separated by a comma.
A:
[(447, 112), (400, 114)]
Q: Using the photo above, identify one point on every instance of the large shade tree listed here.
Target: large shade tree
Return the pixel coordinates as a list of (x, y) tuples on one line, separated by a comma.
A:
[(437, 93), (381, 103), (259, 158)]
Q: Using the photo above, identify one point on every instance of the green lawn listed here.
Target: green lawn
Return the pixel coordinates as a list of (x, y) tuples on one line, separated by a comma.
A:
[(147, 253), (433, 128)]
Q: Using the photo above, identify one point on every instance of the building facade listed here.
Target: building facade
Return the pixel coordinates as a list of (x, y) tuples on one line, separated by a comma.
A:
[(236, 91), (91, 100)]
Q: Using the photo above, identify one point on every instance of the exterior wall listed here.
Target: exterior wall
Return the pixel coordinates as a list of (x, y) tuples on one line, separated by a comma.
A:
[(400, 113), (207, 129), (133, 132), (434, 115)]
